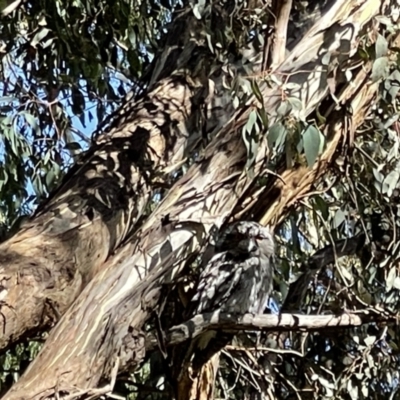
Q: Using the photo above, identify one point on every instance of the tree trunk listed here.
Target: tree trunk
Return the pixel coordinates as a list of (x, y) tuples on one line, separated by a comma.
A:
[(102, 331), (54, 255)]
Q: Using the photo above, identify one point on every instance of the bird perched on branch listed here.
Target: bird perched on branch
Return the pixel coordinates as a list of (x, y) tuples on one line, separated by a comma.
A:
[(237, 279)]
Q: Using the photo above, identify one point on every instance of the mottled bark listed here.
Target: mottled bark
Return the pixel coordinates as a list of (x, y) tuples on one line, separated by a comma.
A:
[(70, 237), (270, 203), (102, 328), (117, 299), (48, 262), (80, 226)]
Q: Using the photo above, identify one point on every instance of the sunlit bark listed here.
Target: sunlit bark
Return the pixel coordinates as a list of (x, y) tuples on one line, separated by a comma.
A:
[(102, 330)]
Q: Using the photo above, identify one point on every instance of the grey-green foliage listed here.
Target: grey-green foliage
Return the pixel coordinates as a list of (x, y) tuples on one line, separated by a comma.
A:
[(78, 58), (65, 65), (360, 193)]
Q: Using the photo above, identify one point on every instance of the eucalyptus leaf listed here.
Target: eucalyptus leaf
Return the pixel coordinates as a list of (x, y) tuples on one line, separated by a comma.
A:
[(381, 46), (380, 69), (251, 121), (276, 135), (311, 143), (284, 109), (340, 216)]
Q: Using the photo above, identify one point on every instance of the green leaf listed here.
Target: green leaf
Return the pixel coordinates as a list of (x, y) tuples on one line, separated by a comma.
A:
[(284, 109), (251, 121), (49, 178), (12, 137), (296, 104), (338, 219), (37, 186), (311, 144), (264, 117), (380, 69), (257, 92), (381, 46), (132, 37), (276, 135), (30, 120)]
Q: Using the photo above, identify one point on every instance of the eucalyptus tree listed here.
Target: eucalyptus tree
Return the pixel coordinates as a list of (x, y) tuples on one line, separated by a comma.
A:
[(282, 113)]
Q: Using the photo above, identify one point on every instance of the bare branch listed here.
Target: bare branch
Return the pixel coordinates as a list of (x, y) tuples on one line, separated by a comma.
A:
[(281, 25), (269, 322), (112, 303)]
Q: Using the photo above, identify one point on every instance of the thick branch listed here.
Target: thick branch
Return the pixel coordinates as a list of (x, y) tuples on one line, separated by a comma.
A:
[(120, 299), (101, 199)]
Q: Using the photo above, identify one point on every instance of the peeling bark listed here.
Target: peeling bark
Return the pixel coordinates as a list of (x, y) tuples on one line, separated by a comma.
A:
[(48, 262), (112, 303), (67, 241), (103, 327)]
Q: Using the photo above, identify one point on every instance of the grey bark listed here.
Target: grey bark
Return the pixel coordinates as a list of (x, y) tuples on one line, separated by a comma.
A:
[(95, 334)]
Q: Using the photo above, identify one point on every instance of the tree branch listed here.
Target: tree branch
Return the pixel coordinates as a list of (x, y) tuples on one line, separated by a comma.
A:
[(320, 259), (268, 322), (112, 303)]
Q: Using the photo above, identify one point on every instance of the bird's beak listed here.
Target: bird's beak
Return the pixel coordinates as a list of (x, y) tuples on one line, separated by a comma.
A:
[(252, 245)]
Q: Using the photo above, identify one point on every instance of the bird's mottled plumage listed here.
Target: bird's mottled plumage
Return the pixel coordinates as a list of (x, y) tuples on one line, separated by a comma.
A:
[(238, 278)]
